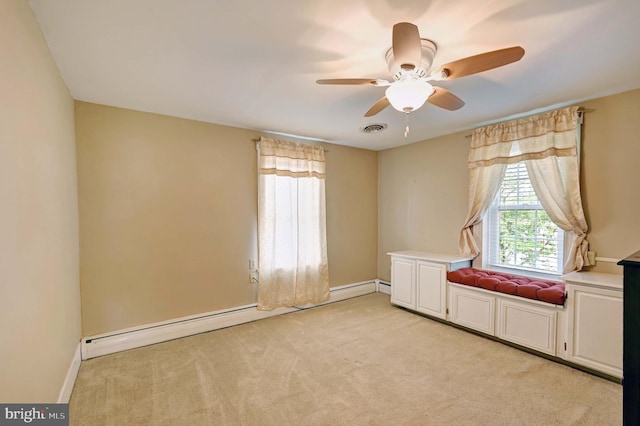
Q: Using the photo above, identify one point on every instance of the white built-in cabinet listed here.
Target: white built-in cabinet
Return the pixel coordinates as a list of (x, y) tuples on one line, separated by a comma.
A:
[(594, 324), (419, 280), (586, 331), (526, 322)]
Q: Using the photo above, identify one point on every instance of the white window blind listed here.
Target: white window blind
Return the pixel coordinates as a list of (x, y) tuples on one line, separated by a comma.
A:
[(519, 233)]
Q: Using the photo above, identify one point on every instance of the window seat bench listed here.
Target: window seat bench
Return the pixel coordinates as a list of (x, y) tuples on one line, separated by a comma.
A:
[(531, 288), (577, 320)]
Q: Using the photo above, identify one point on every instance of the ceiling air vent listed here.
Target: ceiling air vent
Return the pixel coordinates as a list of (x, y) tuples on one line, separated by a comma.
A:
[(373, 128)]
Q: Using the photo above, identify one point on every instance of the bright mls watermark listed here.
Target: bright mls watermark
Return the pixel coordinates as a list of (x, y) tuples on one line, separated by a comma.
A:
[(36, 414)]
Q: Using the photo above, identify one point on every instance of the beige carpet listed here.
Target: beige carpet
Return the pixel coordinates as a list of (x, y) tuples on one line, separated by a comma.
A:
[(357, 362)]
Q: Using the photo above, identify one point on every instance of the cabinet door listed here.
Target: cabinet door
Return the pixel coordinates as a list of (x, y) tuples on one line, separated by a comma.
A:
[(403, 282), (431, 289), (595, 328), (473, 309), (527, 324)]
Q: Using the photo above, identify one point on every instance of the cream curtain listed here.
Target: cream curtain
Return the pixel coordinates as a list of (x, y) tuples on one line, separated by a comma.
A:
[(484, 183), (547, 143), (292, 242)]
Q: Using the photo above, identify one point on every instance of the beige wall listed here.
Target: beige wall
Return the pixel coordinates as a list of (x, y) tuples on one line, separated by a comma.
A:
[(352, 214), (168, 216), (422, 197), (610, 176), (423, 187), (40, 302)]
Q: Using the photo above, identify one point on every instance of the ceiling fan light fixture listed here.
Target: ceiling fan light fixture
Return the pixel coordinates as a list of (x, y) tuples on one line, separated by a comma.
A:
[(410, 59), (408, 94)]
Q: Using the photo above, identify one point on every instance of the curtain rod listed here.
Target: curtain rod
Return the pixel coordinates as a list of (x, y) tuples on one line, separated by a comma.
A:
[(582, 110), (258, 140)]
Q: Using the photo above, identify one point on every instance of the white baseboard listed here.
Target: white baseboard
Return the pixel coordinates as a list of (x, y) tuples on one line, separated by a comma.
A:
[(149, 334), (70, 379), (346, 292)]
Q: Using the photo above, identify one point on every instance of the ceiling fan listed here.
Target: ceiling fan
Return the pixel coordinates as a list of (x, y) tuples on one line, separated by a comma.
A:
[(410, 59)]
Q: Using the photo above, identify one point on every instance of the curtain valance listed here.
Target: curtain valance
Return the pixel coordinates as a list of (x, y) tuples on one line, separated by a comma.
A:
[(284, 158), (548, 134)]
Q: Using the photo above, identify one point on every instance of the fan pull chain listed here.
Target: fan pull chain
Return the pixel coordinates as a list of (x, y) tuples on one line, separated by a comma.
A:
[(406, 124)]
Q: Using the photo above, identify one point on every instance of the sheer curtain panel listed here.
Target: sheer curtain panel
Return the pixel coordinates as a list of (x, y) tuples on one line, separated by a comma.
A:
[(292, 242), (547, 143)]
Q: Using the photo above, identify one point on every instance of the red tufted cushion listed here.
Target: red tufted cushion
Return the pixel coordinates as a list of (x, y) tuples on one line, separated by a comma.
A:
[(531, 288)]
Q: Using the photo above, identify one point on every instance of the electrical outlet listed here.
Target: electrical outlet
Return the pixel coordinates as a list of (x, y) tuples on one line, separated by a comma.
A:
[(253, 278), (252, 264)]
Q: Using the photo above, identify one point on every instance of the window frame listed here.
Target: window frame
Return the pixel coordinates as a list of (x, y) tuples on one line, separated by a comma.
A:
[(490, 237)]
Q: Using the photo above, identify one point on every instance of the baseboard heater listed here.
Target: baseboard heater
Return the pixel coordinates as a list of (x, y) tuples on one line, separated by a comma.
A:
[(149, 334), (384, 287)]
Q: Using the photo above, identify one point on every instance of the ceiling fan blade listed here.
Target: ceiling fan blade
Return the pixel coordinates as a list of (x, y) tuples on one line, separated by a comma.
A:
[(351, 81), (445, 99), (378, 106), (407, 50), (482, 62)]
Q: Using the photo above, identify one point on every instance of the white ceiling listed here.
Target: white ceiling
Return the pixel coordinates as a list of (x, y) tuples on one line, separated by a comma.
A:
[(253, 64)]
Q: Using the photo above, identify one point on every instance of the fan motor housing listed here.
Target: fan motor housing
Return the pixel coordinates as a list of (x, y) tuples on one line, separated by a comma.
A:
[(429, 50)]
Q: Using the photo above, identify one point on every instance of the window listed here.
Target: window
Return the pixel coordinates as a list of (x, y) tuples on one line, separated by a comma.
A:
[(548, 145), (292, 242), (519, 233), (291, 215)]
